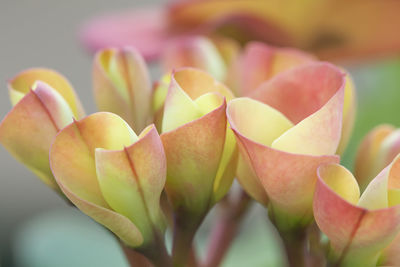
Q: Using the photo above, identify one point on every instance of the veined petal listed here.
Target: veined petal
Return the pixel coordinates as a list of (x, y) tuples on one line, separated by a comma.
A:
[(122, 85), (29, 128), (24, 81), (131, 180), (72, 160)]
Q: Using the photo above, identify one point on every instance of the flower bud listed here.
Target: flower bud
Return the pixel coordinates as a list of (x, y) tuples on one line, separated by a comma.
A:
[(122, 85), (38, 114), (378, 148), (113, 175), (199, 147)]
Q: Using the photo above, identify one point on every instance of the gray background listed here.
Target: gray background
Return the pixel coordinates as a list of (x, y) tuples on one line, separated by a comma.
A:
[(41, 33)]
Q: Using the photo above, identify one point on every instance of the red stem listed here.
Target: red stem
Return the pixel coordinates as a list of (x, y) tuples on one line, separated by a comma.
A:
[(231, 214)]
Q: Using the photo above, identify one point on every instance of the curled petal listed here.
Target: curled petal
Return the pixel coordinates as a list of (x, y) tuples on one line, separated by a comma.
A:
[(72, 160), (301, 91), (318, 134), (259, 63), (191, 94), (29, 128), (357, 234), (24, 81), (122, 85)]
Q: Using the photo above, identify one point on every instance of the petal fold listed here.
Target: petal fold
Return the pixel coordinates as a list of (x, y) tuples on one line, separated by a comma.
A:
[(72, 160), (29, 128), (23, 82)]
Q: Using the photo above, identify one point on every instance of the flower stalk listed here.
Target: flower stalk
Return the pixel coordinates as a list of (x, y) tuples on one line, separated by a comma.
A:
[(231, 214)]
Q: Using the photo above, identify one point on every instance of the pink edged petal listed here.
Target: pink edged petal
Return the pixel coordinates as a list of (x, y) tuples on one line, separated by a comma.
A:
[(72, 161), (318, 134), (29, 128), (301, 91), (193, 153), (259, 63), (132, 179), (122, 85), (24, 81), (288, 179), (357, 234), (144, 29)]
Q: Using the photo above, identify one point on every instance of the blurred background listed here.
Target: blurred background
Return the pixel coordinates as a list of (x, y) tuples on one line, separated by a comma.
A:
[(36, 227)]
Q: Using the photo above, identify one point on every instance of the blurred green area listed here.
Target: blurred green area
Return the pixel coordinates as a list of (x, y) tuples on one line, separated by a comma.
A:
[(378, 93), (67, 238)]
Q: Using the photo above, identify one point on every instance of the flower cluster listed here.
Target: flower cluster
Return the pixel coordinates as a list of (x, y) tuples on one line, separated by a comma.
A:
[(162, 156)]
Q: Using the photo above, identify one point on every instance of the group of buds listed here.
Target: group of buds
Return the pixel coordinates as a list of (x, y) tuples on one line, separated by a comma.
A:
[(162, 156)]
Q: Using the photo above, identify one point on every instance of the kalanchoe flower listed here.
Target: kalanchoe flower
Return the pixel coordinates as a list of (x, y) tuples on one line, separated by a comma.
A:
[(199, 147), (113, 175), (41, 109), (122, 85), (359, 228), (378, 148), (331, 29), (283, 143)]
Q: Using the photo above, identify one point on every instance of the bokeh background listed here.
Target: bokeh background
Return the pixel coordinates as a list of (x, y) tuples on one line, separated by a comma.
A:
[(36, 227)]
